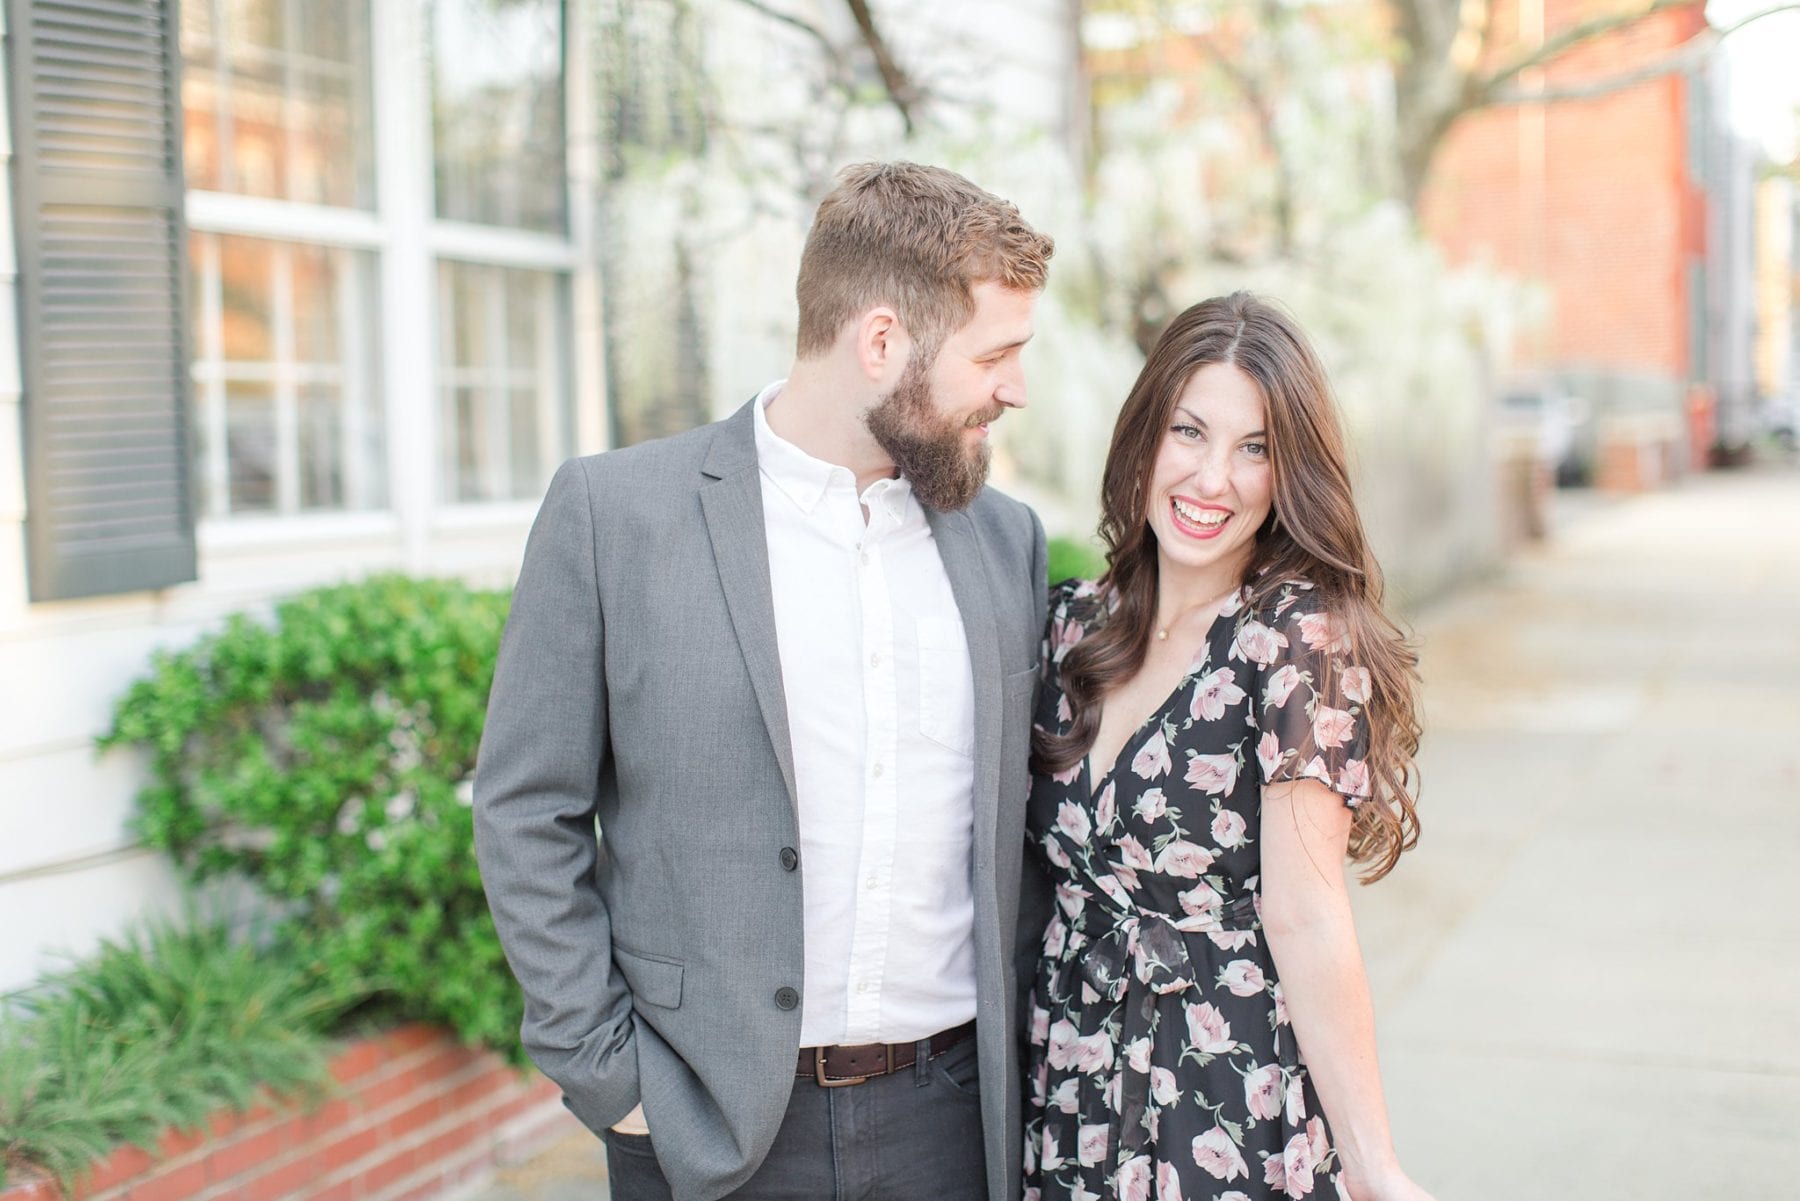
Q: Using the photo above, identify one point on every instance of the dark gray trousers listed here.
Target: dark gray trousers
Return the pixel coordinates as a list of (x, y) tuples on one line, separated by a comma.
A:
[(911, 1136)]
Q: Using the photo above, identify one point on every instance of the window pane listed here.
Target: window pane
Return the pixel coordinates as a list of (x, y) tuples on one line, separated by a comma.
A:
[(284, 375), (507, 420), (275, 99), (250, 445), (497, 112)]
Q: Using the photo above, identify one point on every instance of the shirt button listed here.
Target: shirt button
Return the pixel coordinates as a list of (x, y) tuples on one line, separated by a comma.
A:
[(862, 986), (790, 859), (864, 556), (872, 882), (786, 998), (875, 659), (876, 771)]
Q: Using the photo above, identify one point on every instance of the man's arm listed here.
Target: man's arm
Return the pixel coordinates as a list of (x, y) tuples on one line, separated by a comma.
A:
[(542, 752)]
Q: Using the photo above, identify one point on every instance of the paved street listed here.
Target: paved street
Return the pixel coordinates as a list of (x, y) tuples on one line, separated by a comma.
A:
[(1588, 974)]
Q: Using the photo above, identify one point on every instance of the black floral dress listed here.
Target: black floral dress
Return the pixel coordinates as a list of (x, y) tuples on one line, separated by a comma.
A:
[(1162, 1062)]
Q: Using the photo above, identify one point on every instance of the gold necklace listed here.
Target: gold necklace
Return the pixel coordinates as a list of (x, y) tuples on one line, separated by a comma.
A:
[(1162, 634)]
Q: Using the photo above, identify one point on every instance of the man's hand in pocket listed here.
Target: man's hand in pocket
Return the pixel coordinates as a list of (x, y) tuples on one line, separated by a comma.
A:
[(632, 1123)]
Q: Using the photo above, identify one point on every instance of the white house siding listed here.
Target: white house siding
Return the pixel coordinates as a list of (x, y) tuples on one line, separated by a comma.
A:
[(70, 870)]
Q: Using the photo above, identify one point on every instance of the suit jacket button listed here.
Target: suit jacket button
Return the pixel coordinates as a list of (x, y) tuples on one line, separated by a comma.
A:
[(790, 859), (786, 998)]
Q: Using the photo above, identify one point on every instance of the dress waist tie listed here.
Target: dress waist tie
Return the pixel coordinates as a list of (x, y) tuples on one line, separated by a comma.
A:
[(1143, 956)]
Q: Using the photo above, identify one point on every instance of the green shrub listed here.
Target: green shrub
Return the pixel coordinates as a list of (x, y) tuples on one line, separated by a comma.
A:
[(1070, 558), (327, 756), (157, 1030)]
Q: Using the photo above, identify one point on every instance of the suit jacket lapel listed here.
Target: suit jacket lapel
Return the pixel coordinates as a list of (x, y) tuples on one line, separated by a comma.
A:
[(960, 551), (732, 506)]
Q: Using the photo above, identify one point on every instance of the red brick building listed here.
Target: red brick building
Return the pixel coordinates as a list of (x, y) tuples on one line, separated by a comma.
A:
[(1615, 204)]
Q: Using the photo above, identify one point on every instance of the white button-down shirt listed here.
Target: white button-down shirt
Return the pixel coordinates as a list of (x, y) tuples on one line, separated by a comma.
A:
[(881, 706)]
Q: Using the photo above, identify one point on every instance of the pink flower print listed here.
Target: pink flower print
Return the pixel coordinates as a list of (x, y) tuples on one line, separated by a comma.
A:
[(1068, 774), (1055, 937), (1152, 759), (1090, 1145), (1040, 1025), (1258, 643), (1324, 632), (1133, 1179), (1263, 1091), (1202, 900), (1064, 713), (1316, 769), (1243, 977), (1183, 859), (1317, 1145), (1269, 754), (1229, 828), (1137, 1054), (1281, 685), (1295, 1101), (1072, 820), (1214, 693), (1064, 633), (1163, 1089), (1168, 1183), (1132, 853), (1213, 774), (1055, 854), (1353, 778), (1357, 685), (1103, 809), (1114, 888), (1095, 1053), (1062, 1046), (1233, 1195), (1050, 1155), (1275, 1173), (1215, 1152), (1151, 805), (1297, 1166), (1332, 727), (1232, 940), (1064, 1099), (1208, 1030)]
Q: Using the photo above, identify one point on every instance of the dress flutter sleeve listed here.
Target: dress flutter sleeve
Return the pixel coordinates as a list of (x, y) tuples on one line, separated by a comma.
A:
[(1311, 699)]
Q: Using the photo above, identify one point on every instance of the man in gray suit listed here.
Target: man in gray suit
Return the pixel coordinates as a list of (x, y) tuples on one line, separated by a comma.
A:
[(784, 664)]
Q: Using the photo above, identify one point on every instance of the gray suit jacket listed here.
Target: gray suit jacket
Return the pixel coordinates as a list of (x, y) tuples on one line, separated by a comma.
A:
[(639, 688)]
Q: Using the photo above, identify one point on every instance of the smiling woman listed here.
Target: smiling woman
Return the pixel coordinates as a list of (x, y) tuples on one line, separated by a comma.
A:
[(1225, 714)]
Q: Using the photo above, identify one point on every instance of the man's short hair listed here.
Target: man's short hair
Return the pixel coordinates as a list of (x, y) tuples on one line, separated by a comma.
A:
[(916, 239)]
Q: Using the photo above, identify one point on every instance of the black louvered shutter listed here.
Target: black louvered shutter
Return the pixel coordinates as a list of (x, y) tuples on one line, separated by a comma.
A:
[(102, 323)]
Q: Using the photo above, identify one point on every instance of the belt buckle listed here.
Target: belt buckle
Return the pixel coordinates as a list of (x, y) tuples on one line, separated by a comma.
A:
[(824, 1081)]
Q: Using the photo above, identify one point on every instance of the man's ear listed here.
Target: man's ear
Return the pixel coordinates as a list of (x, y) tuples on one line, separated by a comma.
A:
[(881, 345)]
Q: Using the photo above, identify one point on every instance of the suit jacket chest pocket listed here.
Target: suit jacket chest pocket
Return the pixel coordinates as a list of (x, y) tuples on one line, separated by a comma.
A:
[(946, 685)]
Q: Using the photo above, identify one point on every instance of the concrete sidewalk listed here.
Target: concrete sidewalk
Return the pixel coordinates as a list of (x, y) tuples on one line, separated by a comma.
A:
[(1588, 974)]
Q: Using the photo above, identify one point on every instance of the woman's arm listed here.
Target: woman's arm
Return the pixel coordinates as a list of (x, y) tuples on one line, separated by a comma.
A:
[(1312, 937)]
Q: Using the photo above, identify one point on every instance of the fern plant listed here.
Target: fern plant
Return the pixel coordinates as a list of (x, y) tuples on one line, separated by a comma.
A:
[(158, 1029)]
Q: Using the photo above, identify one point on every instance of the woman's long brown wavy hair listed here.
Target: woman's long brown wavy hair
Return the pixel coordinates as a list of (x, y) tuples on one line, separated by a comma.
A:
[(1313, 533)]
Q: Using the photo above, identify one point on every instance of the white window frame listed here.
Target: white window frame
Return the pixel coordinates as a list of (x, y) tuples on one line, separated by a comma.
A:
[(407, 240)]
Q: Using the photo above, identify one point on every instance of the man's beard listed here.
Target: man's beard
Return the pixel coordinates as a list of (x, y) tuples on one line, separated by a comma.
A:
[(928, 447)]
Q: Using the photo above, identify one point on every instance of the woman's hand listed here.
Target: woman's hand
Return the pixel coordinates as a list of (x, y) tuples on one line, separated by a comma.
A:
[(1382, 1184)]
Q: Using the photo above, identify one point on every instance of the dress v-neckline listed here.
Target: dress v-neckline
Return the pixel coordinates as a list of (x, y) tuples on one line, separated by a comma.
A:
[(1194, 668)]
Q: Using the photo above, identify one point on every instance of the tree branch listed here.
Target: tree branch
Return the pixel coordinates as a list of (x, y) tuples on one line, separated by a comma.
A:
[(791, 21), (900, 88), (1554, 47), (1689, 54)]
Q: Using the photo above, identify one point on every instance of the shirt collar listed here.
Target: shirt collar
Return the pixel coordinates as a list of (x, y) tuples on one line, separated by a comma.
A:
[(805, 480)]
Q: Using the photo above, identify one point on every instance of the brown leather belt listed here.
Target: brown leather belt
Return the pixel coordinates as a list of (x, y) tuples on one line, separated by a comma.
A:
[(837, 1067)]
